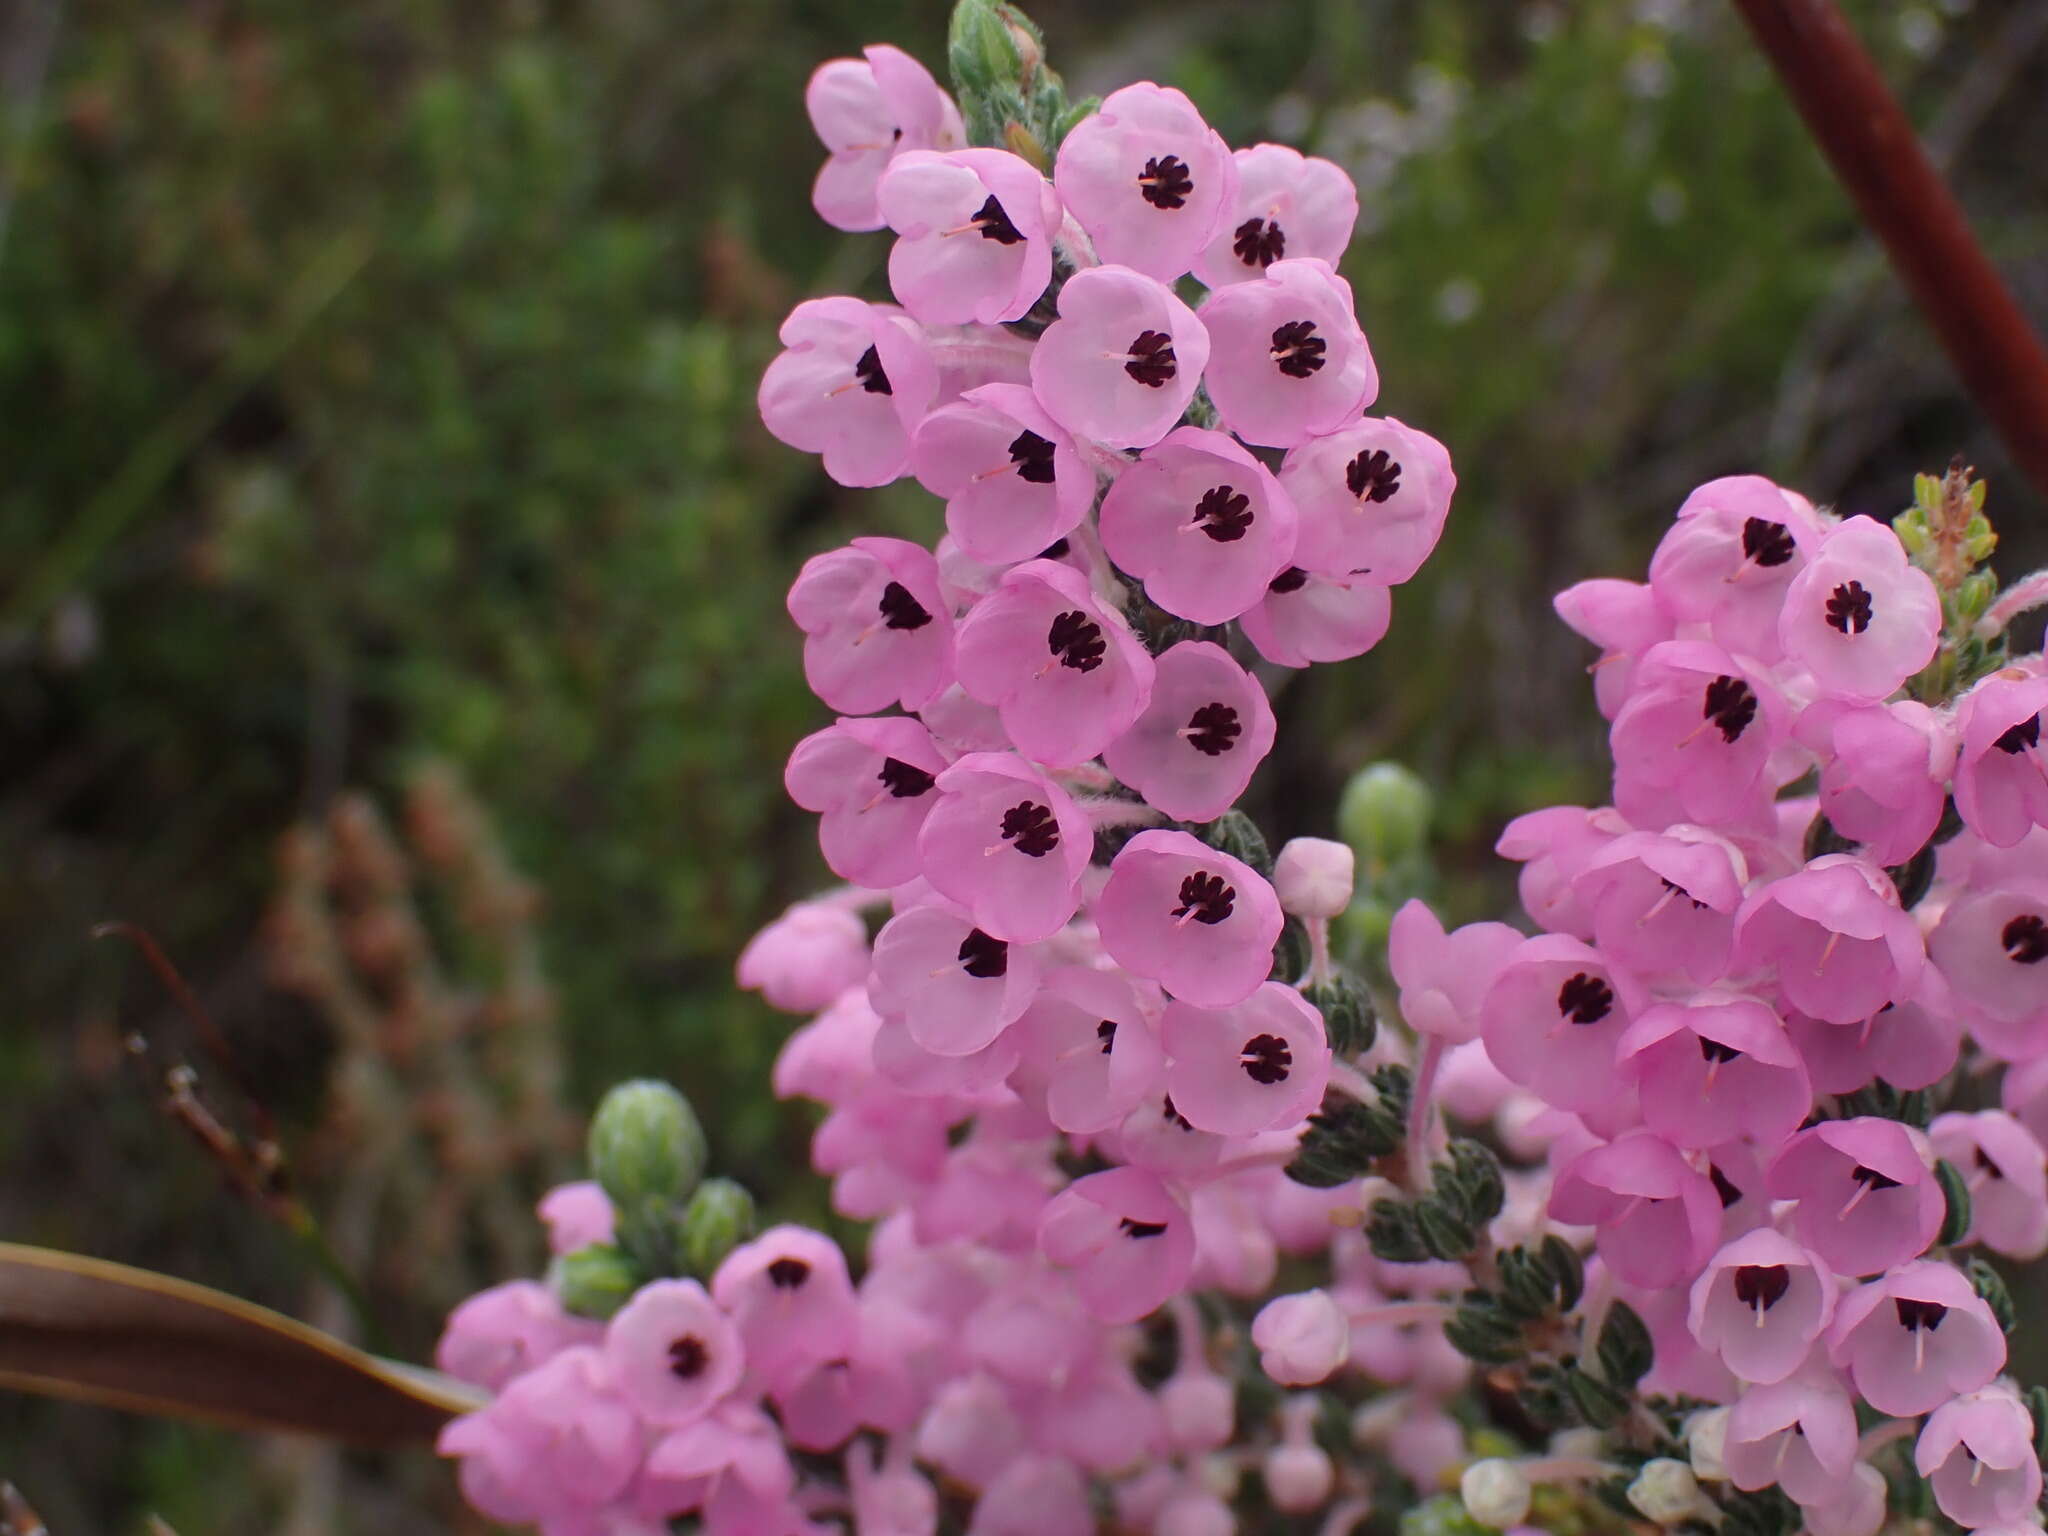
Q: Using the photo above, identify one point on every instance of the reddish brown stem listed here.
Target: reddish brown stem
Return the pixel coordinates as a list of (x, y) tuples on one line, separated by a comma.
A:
[(1869, 141)]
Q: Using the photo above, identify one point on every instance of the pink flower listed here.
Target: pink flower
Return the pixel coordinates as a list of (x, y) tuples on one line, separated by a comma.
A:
[(1916, 1338), (1714, 1068), (1206, 729), (1306, 618), (853, 385), (1834, 932), (1799, 1433), (673, 1352), (1884, 768), (1553, 1017), (557, 1441), (576, 1216), (1553, 846), (1856, 1507), (876, 630), (1314, 876), (1012, 480), (1760, 1303), (806, 957), (1658, 1216), (1302, 1339), (954, 987), (1978, 1451), (1197, 921), (865, 111), (1125, 1239), (732, 1466), (1287, 205), (1290, 360), (1867, 1198), (499, 1335), (1694, 741), (1623, 618), (788, 1291), (1202, 523), (1147, 179), (1034, 1496), (973, 234), (1064, 670), (1259, 1065), (871, 781), (1909, 1044), (1990, 946), (1092, 1049), (1006, 843), (1665, 902), (1444, 977), (2007, 1174), (2001, 780), (1859, 617), (1372, 498), (1123, 359), (1727, 561)]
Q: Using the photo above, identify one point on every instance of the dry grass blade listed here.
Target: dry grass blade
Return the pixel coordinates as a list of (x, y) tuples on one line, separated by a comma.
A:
[(128, 1338)]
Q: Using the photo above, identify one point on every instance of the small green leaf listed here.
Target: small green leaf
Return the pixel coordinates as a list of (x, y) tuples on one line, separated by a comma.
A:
[(1955, 1223), (1391, 1233), (1625, 1349), (1989, 1284), (1563, 1261)]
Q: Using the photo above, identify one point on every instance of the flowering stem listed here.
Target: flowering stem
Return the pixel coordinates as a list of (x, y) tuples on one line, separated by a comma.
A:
[(1347, 1079), (2028, 593), (1108, 811), (1419, 1107)]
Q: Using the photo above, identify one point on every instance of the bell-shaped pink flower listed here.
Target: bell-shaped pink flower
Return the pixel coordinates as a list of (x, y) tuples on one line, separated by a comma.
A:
[(865, 111), (806, 957), (501, 1334), (1860, 617), (1553, 1017), (673, 1352), (853, 385), (1011, 478), (876, 631), (973, 234), (1197, 921), (557, 1441), (2001, 778), (1259, 1065), (1288, 204), (1714, 1068), (1760, 1303), (1157, 1136), (1091, 1048), (1064, 670), (1305, 618), (1799, 1433), (1856, 1508), (1664, 903), (1302, 1339), (1867, 1196), (1444, 977), (871, 781), (1915, 1338), (789, 1293), (1835, 934), (1991, 947), (1034, 1496), (1202, 523), (1909, 1044), (1884, 772), (1736, 546), (1124, 1237), (1123, 359), (975, 1078), (576, 1215), (1623, 618), (1372, 498), (1290, 362), (1978, 1452), (732, 1466), (1206, 729), (1147, 179), (1553, 846), (954, 987), (1658, 1216), (1007, 844), (1695, 739), (1680, 1366), (2007, 1174)]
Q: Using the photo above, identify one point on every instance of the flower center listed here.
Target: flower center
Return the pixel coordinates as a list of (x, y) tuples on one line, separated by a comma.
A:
[(1166, 182), (1723, 1187), (1293, 579), (1032, 455), (1730, 705), (1076, 640), (900, 610), (1032, 828), (1915, 1315), (982, 957), (2025, 939), (1714, 1050), (1174, 1116), (1205, 898), (1298, 349), (1585, 999), (2022, 737), (904, 781), (1213, 730), (869, 371), (1766, 542), (1761, 1285), (995, 224), (786, 1274), (1848, 608), (1259, 243), (1872, 1180), (1373, 476), (687, 1356), (1141, 1228), (1266, 1060), (1224, 514), (1151, 361), (1106, 1033)]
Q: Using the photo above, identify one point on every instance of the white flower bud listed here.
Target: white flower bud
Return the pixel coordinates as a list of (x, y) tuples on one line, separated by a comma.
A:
[(1705, 1433), (1313, 877), (1495, 1492), (1302, 1339), (1299, 1477), (1666, 1491)]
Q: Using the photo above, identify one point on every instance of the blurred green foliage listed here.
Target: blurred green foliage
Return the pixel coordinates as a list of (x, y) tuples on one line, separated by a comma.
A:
[(376, 381)]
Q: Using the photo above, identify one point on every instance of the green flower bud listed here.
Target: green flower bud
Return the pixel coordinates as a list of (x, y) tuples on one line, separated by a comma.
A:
[(720, 1217), (646, 1147), (1384, 815), (594, 1281)]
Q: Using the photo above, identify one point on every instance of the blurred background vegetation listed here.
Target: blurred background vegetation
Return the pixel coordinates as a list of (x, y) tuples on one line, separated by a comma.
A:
[(376, 391)]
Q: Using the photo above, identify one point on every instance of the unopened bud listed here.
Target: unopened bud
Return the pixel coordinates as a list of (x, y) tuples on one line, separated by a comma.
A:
[(1302, 1339), (1495, 1492), (720, 1217), (1666, 1491), (1298, 1477), (646, 1146), (595, 1281), (1384, 815), (1200, 1410), (1706, 1433), (1313, 877)]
